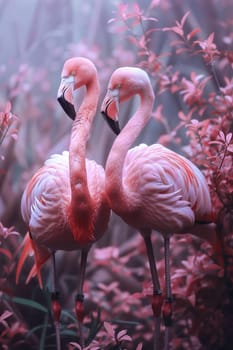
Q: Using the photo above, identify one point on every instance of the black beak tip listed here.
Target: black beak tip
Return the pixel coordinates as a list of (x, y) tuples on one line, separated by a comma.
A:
[(114, 125), (67, 107)]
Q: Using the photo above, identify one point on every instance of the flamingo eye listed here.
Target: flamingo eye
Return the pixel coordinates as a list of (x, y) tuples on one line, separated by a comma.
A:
[(114, 92)]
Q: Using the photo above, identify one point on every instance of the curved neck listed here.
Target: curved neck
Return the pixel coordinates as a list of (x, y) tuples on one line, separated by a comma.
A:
[(77, 149), (121, 145)]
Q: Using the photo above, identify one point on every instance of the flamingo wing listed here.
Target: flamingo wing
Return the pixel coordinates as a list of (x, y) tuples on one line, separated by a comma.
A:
[(42, 213), (164, 185), (45, 202)]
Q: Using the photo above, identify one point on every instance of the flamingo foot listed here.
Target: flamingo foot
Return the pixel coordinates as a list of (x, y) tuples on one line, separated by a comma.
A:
[(79, 309), (156, 304), (56, 310), (167, 316), (167, 312)]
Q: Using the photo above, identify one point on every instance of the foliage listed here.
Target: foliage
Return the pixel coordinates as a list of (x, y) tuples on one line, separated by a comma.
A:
[(187, 53)]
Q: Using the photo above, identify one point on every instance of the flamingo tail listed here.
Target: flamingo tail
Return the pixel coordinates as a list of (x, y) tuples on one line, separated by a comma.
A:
[(41, 255)]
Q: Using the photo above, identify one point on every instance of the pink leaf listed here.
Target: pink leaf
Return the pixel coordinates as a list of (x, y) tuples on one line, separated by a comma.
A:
[(8, 107), (123, 10), (176, 30), (5, 315), (121, 334), (216, 143), (137, 9), (154, 3), (110, 329), (228, 137), (184, 18), (76, 345), (111, 20), (210, 38), (126, 338), (182, 116), (222, 136), (195, 122), (150, 19), (230, 148)]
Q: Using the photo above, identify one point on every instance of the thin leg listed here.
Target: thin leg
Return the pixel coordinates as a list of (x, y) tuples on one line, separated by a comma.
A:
[(167, 307), (56, 307), (157, 295), (80, 297)]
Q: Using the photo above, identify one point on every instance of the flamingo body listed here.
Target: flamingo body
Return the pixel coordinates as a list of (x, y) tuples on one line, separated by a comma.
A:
[(166, 191), (64, 205), (46, 201), (150, 187)]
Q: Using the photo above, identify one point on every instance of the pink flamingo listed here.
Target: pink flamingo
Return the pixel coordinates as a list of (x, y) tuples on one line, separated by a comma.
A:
[(64, 204), (151, 187)]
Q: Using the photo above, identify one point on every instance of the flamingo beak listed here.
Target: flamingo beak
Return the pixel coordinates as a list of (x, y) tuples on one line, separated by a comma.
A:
[(110, 110), (65, 96)]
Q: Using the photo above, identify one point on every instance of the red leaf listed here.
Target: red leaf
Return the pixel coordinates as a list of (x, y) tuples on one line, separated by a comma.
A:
[(6, 253), (193, 33)]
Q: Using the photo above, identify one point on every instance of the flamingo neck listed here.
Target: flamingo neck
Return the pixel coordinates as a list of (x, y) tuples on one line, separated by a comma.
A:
[(81, 201), (114, 167)]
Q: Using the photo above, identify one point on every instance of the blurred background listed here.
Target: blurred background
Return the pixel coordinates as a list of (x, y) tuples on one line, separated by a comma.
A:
[(36, 38)]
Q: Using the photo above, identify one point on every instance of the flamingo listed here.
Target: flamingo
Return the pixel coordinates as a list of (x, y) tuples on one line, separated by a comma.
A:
[(64, 205), (151, 187)]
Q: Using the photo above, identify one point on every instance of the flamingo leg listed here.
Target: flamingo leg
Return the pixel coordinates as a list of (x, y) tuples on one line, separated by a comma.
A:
[(80, 296), (167, 307), (56, 306), (156, 302)]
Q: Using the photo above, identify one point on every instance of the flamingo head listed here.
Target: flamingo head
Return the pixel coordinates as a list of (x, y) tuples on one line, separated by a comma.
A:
[(124, 83), (76, 72)]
